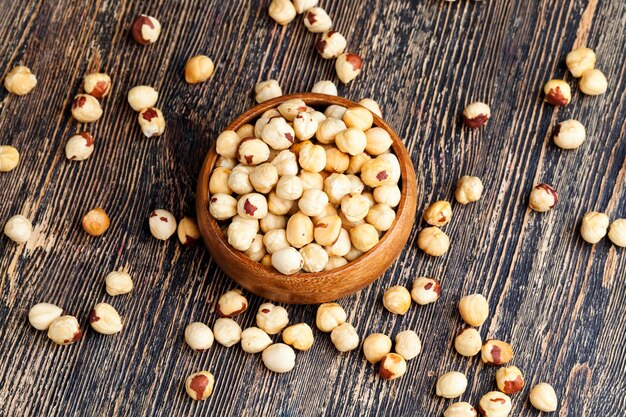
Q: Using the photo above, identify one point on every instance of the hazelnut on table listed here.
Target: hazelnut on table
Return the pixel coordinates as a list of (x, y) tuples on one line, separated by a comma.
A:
[(118, 282), (142, 97), (231, 303), (198, 69), (474, 309), (468, 342), (495, 404), (543, 397), (329, 316), (151, 122), (267, 90), (348, 67), (496, 352), (162, 224), (227, 332), (509, 380), (617, 232), (19, 229), (97, 84), (371, 105), (79, 147), (282, 11), (344, 337), (96, 222), (20, 81), (271, 318), (41, 315), (433, 241), (188, 232), (376, 346), (569, 134), (104, 319), (279, 358), (438, 213), (543, 198), (451, 385), (460, 409), (64, 330), (317, 20), (408, 344), (302, 6), (397, 300), (392, 366), (425, 290), (593, 83), (86, 108), (9, 158), (476, 114), (198, 336), (594, 227), (558, 92), (468, 189), (331, 44), (145, 29), (254, 340), (300, 336), (199, 386), (325, 87), (580, 60)]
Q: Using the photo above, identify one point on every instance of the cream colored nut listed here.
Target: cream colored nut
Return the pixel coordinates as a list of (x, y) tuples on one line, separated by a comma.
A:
[(227, 143), (378, 141), (219, 181), (199, 386), (279, 206), (291, 108), (396, 172), (97, 84), (509, 380), (336, 187), (86, 109), (495, 404), (325, 87), (152, 122), (364, 237), (327, 230), (496, 352), (617, 232), (376, 346), (231, 303), (162, 224), (357, 186), (279, 358), (476, 114), (198, 69), (272, 222), (371, 105), (198, 336), (569, 134), (392, 366), (41, 315), (252, 151), (317, 115), (408, 344), (593, 83), (336, 161), (145, 29), (425, 290), (331, 44), (9, 158), (460, 409), (289, 187), (20, 80), (19, 229), (285, 163), (312, 158), (348, 67), (317, 20), (329, 210), (335, 111), (282, 11), (104, 319), (543, 397), (438, 213), (468, 189), (594, 226), (252, 206), (96, 222), (344, 337), (468, 342), (558, 93), (543, 198), (381, 216), (79, 147), (355, 207), (64, 330), (351, 141), (245, 131), (397, 300), (302, 6), (142, 97), (388, 194), (300, 336), (275, 240), (222, 206), (238, 180), (272, 319), (451, 385), (278, 134), (335, 262), (347, 224), (118, 282), (358, 117), (329, 316), (299, 230), (328, 130), (254, 340), (188, 232), (313, 202), (267, 90), (580, 60), (377, 172), (305, 125), (433, 241), (241, 233), (227, 332), (314, 258), (474, 309), (342, 245), (256, 251)]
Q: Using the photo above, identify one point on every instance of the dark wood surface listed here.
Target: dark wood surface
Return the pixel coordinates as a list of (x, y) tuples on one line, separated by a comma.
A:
[(557, 299)]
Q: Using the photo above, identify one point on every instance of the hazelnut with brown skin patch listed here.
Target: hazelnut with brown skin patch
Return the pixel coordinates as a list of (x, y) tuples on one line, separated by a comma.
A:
[(317, 20), (97, 84), (145, 29), (188, 232), (86, 108), (331, 44), (476, 114), (496, 352), (558, 92), (104, 319), (199, 386), (65, 330), (425, 290), (392, 366), (162, 224), (438, 213), (495, 404), (569, 134), (231, 303), (348, 67), (543, 197), (79, 147), (509, 380), (152, 122)]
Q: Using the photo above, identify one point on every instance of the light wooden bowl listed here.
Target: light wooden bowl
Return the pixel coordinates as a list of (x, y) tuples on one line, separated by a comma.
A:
[(309, 288)]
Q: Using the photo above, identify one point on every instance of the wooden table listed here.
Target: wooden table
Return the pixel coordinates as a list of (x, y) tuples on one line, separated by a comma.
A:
[(558, 300)]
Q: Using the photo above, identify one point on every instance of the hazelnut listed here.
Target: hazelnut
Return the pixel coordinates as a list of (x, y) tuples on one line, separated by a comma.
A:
[(329, 316), (334, 111), (289, 187), (227, 332), (460, 409), (305, 125), (222, 206), (433, 241), (198, 336), (317, 20), (617, 232), (593, 83), (376, 346), (86, 109), (254, 340), (397, 300), (327, 230), (328, 129), (331, 44), (272, 319), (79, 147), (238, 180), (278, 134), (199, 386), (569, 134), (496, 352), (344, 337), (142, 97), (336, 161), (325, 87), (20, 81), (425, 290), (272, 222), (188, 232), (313, 202), (388, 194), (263, 178), (267, 90), (348, 67), (509, 380), (468, 189), (594, 226), (335, 262), (275, 240), (118, 282), (256, 251), (279, 206), (438, 213), (302, 6), (381, 216), (342, 245), (314, 258), (357, 187), (364, 237), (378, 141), (311, 180), (392, 366), (145, 29), (408, 344), (279, 358), (474, 309), (64, 330), (18, 228), (151, 122), (476, 114), (219, 181), (231, 303), (543, 397), (282, 11), (558, 92), (355, 207), (299, 230), (291, 108), (542, 198), (580, 60), (358, 117), (104, 319), (377, 172), (96, 222), (241, 233), (252, 151), (97, 84), (252, 206), (9, 158), (245, 131), (198, 69), (351, 141), (468, 342), (285, 163), (495, 404), (451, 385), (162, 224), (396, 173), (227, 143), (300, 336), (371, 105), (41, 315)]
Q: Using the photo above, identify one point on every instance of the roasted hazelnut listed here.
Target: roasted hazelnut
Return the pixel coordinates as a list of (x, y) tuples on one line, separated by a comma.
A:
[(9, 158), (594, 227), (86, 109), (64, 330), (272, 222), (593, 83), (397, 300), (302, 6), (329, 316), (388, 194), (325, 87), (241, 233), (199, 386), (96, 222), (425, 290), (468, 189), (468, 342), (358, 117), (151, 122), (378, 141), (20, 81), (344, 337), (336, 187), (238, 180), (227, 332), (145, 29), (142, 97), (18, 228), (222, 206), (314, 258), (348, 67), (231, 303), (569, 134), (272, 319), (438, 213), (285, 163), (451, 385), (254, 340), (275, 240), (376, 346), (162, 224), (198, 336), (97, 84), (335, 111), (355, 207), (496, 352), (41, 315), (392, 366), (460, 409), (337, 162), (79, 147), (299, 230), (476, 114), (104, 319), (558, 93), (198, 69), (327, 230), (267, 90), (408, 344), (313, 202), (509, 380), (542, 198), (279, 206), (118, 282), (335, 262), (580, 60), (312, 158), (543, 397), (279, 358), (282, 11), (364, 237), (617, 232), (331, 44), (252, 151), (433, 241), (188, 232), (396, 172), (317, 20), (474, 309), (300, 336), (289, 109), (377, 172), (495, 404)]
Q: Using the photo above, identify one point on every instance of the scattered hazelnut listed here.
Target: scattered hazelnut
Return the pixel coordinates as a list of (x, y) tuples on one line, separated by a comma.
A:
[(223, 206), (364, 237), (282, 11), (118, 282), (188, 232), (460, 409), (408, 344), (302, 6), (9, 158), (558, 92), (317, 20), (151, 121), (41, 315), (476, 114), (451, 385), (509, 380), (314, 258), (593, 83), (580, 60), (378, 141), (64, 330), (594, 227), (331, 45), (325, 87), (145, 29), (468, 342), (96, 222), (86, 109), (425, 290), (199, 386), (198, 69), (231, 304), (397, 300), (371, 105), (496, 352), (97, 84), (162, 224), (542, 198), (617, 232), (254, 340), (344, 337), (474, 309), (18, 228), (142, 97), (569, 134), (105, 319), (468, 189), (227, 332), (267, 90), (20, 81), (279, 358), (79, 147), (329, 316), (300, 336), (433, 241), (198, 336), (392, 366), (348, 67), (438, 213), (495, 404), (376, 346), (543, 397), (272, 319)]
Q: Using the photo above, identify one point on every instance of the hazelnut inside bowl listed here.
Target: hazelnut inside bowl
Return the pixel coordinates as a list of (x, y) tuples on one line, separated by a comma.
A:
[(309, 287)]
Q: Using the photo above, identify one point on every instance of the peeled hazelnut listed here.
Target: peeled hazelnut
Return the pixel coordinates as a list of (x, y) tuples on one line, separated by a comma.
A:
[(397, 300), (278, 134), (543, 397), (300, 336), (302, 6), (580, 60), (476, 114), (222, 206), (495, 404), (272, 222), (542, 198), (199, 386), (198, 336), (425, 290), (468, 189), (257, 250), (378, 141), (334, 111), (451, 385), (267, 90), (162, 224), (118, 282), (371, 105), (433, 241), (355, 207), (468, 342), (64, 330), (151, 121), (291, 108), (198, 69), (18, 228), (254, 340), (272, 319), (279, 358), (593, 83), (594, 226), (329, 316), (9, 158), (325, 87), (357, 117), (105, 319), (145, 29), (408, 344), (227, 332), (377, 172), (392, 366), (344, 337), (617, 232), (142, 97), (304, 126), (97, 84), (569, 134), (348, 67), (241, 233), (314, 258), (86, 109), (252, 206), (388, 194), (42, 315), (336, 161), (381, 216), (317, 20), (282, 11), (20, 81), (252, 151), (335, 262), (188, 232), (231, 303), (496, 352), (474, 309), (364, 237), (376, 346), (438, 213), (79, 147), (509, 380), (558, 92), (96, 222), (460, 409), (331, 45)]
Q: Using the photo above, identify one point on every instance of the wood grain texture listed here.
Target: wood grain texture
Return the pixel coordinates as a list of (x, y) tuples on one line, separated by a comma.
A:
[(558, 300)]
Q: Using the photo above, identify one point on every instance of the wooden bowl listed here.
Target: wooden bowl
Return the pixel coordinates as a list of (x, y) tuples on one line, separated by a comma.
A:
[(309, 288)]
